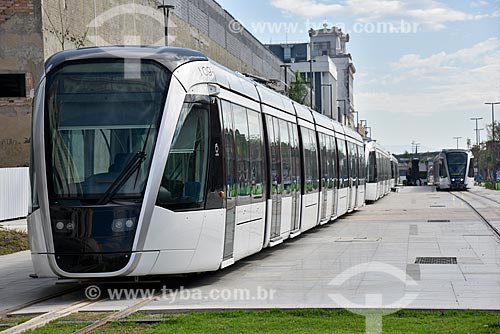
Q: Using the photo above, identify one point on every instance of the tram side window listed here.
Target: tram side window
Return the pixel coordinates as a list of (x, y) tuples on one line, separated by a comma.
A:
[(334, 163), (311, 172), (352, 162), (362, 164), (442, 171), (296, 168), (285, 158), (183, 181), (256, 156), (242, 154), (324, 160), (471, 168), (372, 167), (331, 159), (274, 149), (343, 163), (230, 153)]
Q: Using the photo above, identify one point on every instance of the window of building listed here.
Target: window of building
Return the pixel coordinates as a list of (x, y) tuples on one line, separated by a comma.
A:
[(13, 85)]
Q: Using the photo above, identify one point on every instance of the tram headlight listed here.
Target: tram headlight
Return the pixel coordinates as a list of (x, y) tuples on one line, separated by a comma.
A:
[(70, 226), (123, 224), (129, 223), (452, 180), (118, 225), (59, 225), (461, 180)]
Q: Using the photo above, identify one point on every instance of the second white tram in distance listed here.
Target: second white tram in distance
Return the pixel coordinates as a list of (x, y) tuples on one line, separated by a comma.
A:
[(454, 170), (382, 172), (154, 161)]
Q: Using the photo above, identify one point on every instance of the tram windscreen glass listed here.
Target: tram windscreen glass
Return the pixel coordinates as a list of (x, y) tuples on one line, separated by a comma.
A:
[(100, 114), (457, 164), (184, 177)]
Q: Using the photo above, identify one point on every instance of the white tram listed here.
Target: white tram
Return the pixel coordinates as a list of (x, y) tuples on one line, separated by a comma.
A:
[(154, 161), (382, 171), (454, 170)]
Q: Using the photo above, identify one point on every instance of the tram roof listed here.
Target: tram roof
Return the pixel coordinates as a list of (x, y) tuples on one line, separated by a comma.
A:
[(169, 57)]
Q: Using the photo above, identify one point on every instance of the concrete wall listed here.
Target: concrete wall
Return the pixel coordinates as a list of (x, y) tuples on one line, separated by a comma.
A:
[(204, 25), (21, 51), (69, 24)]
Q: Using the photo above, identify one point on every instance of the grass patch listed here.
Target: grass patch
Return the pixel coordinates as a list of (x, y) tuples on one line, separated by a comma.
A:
[(12, 241), (8, 322), (294, 322)]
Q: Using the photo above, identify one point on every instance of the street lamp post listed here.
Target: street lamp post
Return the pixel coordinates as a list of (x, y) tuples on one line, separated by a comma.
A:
[(477, 128), (331, 98), (166, 14), (457, 138), (492, 118)]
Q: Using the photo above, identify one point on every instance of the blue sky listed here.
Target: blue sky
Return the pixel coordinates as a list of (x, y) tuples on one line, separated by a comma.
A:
[(423, 85)]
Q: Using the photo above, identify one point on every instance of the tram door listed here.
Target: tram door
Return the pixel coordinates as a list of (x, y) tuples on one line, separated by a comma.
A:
[(276, 177), (231, 179), (324, 174), (335, 174), (295, 176)]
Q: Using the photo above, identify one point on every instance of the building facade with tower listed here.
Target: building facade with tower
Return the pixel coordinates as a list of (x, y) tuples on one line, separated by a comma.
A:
[(328, 68)]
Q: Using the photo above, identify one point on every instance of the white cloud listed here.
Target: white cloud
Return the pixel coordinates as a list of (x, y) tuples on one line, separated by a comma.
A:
[(430, 14), (479, 3), (460, 81)]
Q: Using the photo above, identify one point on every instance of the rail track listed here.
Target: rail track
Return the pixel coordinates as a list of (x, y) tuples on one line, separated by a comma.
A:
[(481, 216)]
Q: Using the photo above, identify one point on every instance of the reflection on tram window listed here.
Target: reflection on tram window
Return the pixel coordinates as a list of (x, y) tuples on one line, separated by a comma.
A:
[(311, 172), (183, 180), (101, 128)]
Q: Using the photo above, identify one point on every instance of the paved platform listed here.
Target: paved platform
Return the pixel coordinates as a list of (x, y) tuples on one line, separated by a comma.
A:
[(17, 224), (365, 259)]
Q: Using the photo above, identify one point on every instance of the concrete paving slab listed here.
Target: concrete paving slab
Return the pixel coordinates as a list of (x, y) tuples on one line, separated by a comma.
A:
[(17, 224)]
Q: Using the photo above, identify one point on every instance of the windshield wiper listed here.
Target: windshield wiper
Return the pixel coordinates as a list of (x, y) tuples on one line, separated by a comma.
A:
[(123, 177)]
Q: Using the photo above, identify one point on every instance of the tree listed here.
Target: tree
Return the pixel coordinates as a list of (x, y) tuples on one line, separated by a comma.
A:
[(298, 90), (497, 131)]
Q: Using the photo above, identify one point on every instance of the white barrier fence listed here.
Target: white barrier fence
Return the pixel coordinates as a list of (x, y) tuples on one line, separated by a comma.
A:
[(14, 192)]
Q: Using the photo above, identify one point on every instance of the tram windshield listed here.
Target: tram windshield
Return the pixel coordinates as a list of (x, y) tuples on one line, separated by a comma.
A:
[(457, 163), (101, 120)]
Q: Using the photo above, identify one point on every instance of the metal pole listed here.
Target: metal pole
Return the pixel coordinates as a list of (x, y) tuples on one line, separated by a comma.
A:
[(166, 15), (457, 138), (492, 118), (477, 127)]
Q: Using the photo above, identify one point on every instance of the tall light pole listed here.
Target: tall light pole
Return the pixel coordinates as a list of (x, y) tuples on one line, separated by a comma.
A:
[(492, 118), (477, 128), (166, 14), (457, 138)]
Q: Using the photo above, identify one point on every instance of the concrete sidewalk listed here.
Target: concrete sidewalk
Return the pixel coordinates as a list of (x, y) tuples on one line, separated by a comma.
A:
[(17, 224)]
